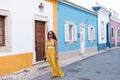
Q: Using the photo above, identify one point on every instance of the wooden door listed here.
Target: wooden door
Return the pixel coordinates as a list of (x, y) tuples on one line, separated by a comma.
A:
[(39, 40)]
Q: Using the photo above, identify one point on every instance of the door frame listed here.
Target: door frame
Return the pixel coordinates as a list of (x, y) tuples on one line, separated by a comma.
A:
[(108, 35), (116, 35), (83, 48), (43, 19)]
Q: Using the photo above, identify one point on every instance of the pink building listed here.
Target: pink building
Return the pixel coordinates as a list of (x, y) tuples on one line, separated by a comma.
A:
[(115, 29)]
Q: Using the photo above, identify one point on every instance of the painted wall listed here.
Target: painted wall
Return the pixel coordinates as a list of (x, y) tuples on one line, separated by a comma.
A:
[(102, 16), (105, 19), (78, 16), (115, 25), (22, 14)]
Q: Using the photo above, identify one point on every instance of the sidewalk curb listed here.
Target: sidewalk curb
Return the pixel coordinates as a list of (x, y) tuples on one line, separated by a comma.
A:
[(42, 68)]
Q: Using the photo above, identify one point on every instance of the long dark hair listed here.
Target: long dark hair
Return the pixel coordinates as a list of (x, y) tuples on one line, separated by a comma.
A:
[(53, 35)]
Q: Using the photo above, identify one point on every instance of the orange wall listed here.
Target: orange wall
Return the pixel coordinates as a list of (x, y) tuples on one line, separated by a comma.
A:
[(55, 6), (13, 63)]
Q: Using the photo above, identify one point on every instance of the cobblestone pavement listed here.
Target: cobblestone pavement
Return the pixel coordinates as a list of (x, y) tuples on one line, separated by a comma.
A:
[(104, 66)]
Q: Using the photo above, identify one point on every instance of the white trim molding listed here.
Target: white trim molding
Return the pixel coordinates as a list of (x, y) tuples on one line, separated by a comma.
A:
[(70, 32), (8, 31), (38, 18)]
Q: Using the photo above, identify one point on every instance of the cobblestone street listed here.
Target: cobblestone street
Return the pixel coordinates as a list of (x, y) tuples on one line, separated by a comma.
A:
[(104, 66)]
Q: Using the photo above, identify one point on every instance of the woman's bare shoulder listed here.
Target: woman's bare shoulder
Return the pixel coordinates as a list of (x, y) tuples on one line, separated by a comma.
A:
[(55, 40)]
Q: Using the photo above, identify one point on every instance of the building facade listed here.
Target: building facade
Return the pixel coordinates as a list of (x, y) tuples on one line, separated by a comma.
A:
[(103, 27), (77, 30), (23, 28), (24, 25), (115, 29)]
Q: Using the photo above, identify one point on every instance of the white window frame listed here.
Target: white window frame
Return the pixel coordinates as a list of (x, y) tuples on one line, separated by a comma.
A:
[(73, 37), (102, 30), (8, 42), (91, 33)]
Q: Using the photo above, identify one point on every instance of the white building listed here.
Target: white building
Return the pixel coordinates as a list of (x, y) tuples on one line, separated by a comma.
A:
[(103, 26), (23, 28)]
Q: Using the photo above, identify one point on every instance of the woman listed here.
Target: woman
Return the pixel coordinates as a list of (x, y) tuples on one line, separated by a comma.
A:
[(52, 55)]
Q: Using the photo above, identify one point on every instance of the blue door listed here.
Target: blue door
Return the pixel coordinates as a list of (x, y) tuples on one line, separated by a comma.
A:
[(108, 34)]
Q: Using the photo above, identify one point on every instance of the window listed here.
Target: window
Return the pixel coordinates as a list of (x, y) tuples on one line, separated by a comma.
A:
[(118, 32), (91, 33), (5, 31), (102, 30), (70, 32), (2, 30), (112, 32)]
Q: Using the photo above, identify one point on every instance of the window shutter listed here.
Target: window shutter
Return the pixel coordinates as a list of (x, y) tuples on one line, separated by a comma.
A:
[(75, 33), (102, 30), (89, 34), (93, 33), (66, 33), (114, 32)]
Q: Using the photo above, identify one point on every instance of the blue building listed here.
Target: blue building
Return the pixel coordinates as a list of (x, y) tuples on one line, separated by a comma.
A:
[(77, 30)]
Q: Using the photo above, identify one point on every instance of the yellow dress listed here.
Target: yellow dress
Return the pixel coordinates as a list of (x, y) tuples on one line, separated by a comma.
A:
[(53, 62)]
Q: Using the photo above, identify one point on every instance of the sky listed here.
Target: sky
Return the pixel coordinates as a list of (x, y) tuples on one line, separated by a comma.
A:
[(113, 4)]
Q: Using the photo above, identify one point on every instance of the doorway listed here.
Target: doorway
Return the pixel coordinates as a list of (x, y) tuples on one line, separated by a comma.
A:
[(82, 38), (108, 35), (39, 40)]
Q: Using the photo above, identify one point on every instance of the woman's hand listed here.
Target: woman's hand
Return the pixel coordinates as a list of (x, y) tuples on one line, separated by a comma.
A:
[(57, 57), (45, 58)]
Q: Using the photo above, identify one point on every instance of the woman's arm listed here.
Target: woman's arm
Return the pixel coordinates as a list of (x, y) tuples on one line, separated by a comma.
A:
[(56, 49), (45, 57)]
